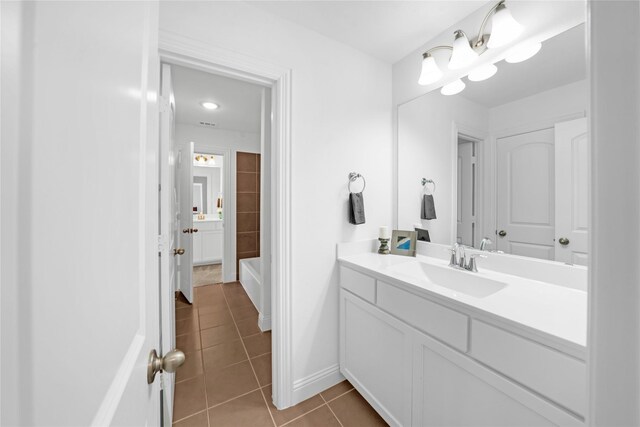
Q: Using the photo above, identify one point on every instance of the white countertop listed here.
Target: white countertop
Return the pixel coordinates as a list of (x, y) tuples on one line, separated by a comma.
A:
[(551, 312)]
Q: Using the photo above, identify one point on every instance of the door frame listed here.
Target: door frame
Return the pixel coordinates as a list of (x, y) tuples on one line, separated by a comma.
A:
[(192, 53)]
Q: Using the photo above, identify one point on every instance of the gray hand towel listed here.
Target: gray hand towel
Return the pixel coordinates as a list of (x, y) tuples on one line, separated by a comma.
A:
[(356, 208), (427, 207)]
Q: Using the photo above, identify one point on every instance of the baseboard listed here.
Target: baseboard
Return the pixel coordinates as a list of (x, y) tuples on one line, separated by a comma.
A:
[(307, 387), (264, 322)]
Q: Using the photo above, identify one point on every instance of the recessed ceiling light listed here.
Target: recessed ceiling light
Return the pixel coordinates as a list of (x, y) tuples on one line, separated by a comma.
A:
[(210, 105)]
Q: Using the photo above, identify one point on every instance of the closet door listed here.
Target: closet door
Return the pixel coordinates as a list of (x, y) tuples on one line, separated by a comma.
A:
[(572, 191), (525, 196)]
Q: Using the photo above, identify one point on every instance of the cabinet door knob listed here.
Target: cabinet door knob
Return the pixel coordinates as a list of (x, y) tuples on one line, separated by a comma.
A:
[(194, 230)]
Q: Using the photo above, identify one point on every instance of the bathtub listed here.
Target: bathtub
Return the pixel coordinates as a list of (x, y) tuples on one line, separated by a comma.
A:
[(251, 280)]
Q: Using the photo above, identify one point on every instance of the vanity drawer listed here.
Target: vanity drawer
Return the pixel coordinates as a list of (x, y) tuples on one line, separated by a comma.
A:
[(557, 376), (358, 283), (440, 322)]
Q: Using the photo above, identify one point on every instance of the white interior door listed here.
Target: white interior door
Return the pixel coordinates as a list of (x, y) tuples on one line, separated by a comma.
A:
[(466, 193), (168, 211), (185, 201), (525, 196), (572, 191), (79, 187)]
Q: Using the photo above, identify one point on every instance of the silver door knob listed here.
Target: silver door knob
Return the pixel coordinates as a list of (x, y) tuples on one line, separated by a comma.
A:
[(502, 233), (563, 241), (169, 363)]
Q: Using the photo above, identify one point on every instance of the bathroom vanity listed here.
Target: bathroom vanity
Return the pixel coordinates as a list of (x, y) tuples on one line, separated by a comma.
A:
[(208, 242), (427, 344)]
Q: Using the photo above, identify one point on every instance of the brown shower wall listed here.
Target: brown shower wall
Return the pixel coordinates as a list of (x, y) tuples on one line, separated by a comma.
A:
[(247, 207)]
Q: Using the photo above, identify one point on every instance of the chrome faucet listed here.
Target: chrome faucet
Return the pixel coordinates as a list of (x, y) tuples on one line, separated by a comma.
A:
[(484, 243), (459, 259)]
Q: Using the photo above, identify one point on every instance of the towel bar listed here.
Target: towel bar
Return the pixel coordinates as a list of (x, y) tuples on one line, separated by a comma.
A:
[(353, 176), (426, 181)]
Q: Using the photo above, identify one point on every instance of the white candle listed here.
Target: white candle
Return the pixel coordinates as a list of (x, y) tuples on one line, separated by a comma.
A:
[(384, 232)]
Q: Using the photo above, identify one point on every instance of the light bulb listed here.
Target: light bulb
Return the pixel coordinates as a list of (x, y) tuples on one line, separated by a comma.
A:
[(482, 73), (462, 54), (504, 28), (430, 73), (522, 52), (452, 88)]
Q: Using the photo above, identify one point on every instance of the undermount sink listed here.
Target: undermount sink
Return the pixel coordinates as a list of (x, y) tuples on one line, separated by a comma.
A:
[(453, 279)]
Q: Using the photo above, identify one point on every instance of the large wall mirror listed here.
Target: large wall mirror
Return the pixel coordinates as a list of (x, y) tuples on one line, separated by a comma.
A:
[(509, 157)]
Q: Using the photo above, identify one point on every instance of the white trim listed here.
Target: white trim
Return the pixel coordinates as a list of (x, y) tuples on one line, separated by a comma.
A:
[(309, 386), (193, 53), (111, 401), (264, 322)]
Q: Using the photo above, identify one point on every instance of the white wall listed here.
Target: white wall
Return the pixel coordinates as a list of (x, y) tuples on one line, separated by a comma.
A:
[(341, 122), (427, 148)]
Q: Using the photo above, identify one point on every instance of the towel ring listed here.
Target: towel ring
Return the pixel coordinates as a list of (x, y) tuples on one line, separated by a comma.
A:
[(353, 176), (426, 181)]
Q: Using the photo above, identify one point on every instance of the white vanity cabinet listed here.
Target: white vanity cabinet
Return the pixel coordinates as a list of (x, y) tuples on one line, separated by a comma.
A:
[(208, 242), (421, 363)]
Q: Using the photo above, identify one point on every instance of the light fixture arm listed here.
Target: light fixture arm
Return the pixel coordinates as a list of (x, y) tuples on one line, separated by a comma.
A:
[(480, 40), (443, 47)]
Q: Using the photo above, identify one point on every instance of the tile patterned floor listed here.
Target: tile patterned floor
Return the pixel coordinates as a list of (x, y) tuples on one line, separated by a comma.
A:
[(207, 274), (226, 379)]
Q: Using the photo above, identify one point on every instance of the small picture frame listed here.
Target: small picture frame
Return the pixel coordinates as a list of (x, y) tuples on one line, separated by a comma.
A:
[(403, 242)]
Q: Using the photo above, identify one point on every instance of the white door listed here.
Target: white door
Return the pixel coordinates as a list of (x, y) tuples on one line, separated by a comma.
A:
[(79, 213), (572, 191), (525, 197), (184, 185), (168, 214), (466, 193)]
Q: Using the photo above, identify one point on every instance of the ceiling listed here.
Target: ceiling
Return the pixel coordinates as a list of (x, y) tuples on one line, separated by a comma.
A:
[(562, 60), (388, 30), (240, 102)]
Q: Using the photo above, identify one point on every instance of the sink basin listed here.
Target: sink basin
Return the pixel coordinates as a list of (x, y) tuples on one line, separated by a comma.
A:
[(455, 280)]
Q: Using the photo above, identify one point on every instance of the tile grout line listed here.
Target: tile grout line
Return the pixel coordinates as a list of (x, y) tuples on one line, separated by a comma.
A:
[(302, 415), (264, 399), (334, 414), (204, 373), (192, 415), (339, 396)]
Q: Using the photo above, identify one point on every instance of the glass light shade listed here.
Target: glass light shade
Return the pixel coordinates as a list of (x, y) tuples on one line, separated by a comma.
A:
[(522, 52), (209, 105), (504, 28), (430, 73), (452, 88), (462, 54), (482, 73)]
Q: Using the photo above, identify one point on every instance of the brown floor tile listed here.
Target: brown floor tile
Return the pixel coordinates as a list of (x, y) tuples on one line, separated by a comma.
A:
[(238, 301), (230, 382), (207, 290), (222, 355), (198, 420), (181, 301), (244, 312), (246, 411), (321, 417), (189, 398), (353, 410), (262, 366), (336, 390), (218, 335), (192, 366), (186, 313), (187, 326), (188, 343), (248, 327), (216, 318), (213, 308), (214, 303), (286, 415), (258, 344)]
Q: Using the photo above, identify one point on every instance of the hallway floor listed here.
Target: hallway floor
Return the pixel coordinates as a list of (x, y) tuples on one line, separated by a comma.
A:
[(226, 379)]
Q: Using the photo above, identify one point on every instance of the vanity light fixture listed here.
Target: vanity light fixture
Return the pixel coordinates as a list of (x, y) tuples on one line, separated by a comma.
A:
[(210, 105), (523, 52), (504, 29), (453, 88)]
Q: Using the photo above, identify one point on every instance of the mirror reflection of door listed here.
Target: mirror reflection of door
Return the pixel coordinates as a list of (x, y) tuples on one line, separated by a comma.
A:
[(198, 197), (467, 192)]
